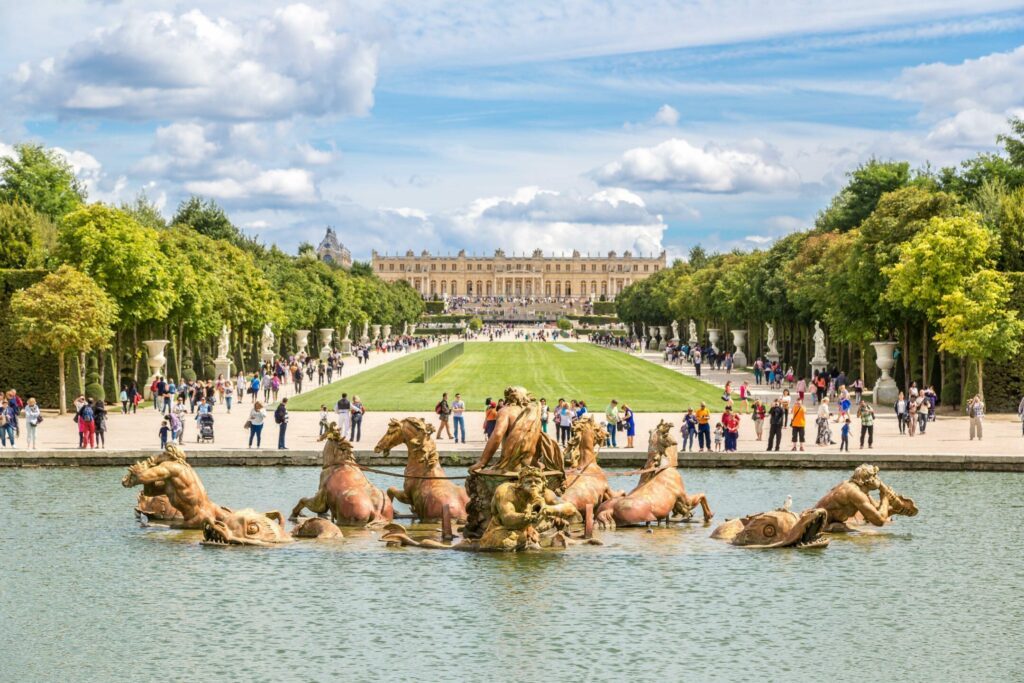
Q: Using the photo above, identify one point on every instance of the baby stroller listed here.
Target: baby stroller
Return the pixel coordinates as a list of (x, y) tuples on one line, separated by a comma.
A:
[(205, 433)]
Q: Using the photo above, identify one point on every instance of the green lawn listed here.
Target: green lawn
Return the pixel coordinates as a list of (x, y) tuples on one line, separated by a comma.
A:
[(592, 373)]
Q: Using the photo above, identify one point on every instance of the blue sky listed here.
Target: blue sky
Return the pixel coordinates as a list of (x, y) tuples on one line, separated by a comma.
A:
[(591, 125)]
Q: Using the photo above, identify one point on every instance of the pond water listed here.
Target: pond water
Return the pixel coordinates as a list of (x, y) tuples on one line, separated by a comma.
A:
[(86, 594)]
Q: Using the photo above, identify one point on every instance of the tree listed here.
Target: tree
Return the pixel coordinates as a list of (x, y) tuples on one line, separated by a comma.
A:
[(65, 311), (22, 233), (144, 212), (362, 269), (1014, 146), (978, 323), (476, 324), (207, 218), (855, 202), (41, 178)]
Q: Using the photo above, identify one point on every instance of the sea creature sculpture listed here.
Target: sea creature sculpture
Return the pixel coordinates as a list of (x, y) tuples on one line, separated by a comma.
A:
[(660, 492), (168, 474), (775, 529), (265, 529), (849, 503), (344, 490), (425, 490), (587, 482)]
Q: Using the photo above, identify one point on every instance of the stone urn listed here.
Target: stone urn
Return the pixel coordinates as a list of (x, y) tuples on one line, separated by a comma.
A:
[(713, 338), (412, 329), (663, 332), (386, 331), (374, 332), (301, 341), (652, 341), (326, 335), (885, 391), (156, 361), (739, 340)]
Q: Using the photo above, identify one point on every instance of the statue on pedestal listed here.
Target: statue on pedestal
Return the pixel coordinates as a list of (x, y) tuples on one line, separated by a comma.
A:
[(267, 340), (693, 338), (675, 330), (224, 343), (819, 341), (771, 340)]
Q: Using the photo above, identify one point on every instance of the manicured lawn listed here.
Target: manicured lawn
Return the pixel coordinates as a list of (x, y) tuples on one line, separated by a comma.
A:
[(591, 373)]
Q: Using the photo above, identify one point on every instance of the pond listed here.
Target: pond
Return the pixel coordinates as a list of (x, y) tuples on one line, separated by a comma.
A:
[(89, 595)]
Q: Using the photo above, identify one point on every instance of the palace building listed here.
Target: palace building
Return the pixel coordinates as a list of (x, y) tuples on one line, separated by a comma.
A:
[(333, 251), (535, 275)]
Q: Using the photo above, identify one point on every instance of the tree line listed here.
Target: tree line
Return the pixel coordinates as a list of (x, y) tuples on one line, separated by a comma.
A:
[(931, 259), (122, 274)]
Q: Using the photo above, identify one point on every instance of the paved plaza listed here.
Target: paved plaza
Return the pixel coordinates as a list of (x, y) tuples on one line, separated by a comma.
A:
[(948, 435)]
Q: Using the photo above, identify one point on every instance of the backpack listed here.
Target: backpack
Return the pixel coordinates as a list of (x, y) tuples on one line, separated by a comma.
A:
[(279, 414), (437, 408)]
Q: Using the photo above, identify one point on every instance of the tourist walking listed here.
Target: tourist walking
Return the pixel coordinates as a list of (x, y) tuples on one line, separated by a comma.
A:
[(611, 414), (824, 437), (565, 417), (100, 420), (731, 423), (444, 413), (900, 407), (33, 418), (798, 423), (323, 419), (356, 431), (123, 398), (491, 418), (344, 410), (976, 411), (545, 415), (703, 427), (87, 425), (923, 408), (776, 419), (630, 423), (696, 361), (867, 423), (8, 421), (255, 424), (281, 419), (458, 408), (911, 414)]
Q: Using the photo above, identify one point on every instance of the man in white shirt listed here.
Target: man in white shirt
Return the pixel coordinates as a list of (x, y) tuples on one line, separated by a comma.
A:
[(344, 411), (458, 408)]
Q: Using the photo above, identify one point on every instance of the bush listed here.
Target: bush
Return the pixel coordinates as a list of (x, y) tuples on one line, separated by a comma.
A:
[(603, 307), (564, 324), (31, 373), (594, 320), (441, 319), (93, 387), (476, 324), (434, 306), (187, 372)]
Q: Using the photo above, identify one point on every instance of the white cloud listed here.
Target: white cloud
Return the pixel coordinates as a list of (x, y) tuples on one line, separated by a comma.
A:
[(292, 185), (759, 239), (6, 150), (677, 165), (666, 115), (162, 65), (313, 156)]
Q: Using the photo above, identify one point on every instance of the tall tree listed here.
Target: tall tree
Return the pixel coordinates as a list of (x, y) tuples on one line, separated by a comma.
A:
[(64, 312), (25, 236), (43, 179), (855, 202), (207, 218), (144, 211), (1013, 142)]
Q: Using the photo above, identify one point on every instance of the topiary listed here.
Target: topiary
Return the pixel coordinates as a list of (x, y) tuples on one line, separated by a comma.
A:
[(93, 386), (186, 367)]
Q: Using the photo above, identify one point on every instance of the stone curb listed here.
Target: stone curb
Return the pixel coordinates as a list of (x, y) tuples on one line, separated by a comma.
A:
[(741, 459)]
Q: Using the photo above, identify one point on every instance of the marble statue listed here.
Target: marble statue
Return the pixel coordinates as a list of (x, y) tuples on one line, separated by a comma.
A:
[(771, 339), (675, 330), (819, 341), (224, 343), (267, 340), (693, 332)]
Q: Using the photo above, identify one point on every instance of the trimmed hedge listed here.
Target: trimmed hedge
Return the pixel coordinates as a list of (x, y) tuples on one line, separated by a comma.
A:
[(454, 318), (434, 306), (30, 372), (594, 319), (1004, 382), (604, 308)]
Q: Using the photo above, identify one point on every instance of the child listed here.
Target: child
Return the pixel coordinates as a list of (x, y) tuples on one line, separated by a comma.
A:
[(165, 433), (323, 419), (844, 445), (719, 433)]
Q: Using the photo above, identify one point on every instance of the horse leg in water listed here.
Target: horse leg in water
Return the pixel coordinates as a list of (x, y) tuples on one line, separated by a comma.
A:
[(686, 503), (317, 504), (398, 494)]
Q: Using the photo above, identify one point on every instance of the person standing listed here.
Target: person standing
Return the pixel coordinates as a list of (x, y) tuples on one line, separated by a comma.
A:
[(100, 420), (33, 417), (458, 408), (8, 417), (689, 430), (356, 432), (545, 415), (630, 422), (731, 423), (281, 418), (565, 418), (911, 415), (798, 423), (696, 361), (491, 418), (611, 413), (87, 425), (444, 413), (844, 436), (776, 418), (344, 411), (976, 411), (900, 407), (255, 423), (703, 427), (123, 397), (824, 437), (923, 408), (867, 423)]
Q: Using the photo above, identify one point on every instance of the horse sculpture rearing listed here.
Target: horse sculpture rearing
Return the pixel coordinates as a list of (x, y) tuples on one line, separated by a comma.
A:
[(587, 481), (426, 496)]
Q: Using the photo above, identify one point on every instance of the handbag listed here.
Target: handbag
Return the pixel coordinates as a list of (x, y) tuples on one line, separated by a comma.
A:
[(247, 425)]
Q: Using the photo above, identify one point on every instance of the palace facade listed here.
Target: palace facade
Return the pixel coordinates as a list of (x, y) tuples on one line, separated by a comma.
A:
[(535, 275)]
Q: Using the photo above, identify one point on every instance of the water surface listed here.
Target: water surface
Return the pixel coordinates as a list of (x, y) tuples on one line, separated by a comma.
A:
[(86, 594)]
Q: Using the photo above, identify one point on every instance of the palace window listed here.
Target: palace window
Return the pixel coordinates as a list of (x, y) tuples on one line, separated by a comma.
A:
[(645, 267), (655, 269), (620, 267), (593, 267), (635, 267), (380, 266), (558, 267), (604, 268), (391, 266), (444, 266)]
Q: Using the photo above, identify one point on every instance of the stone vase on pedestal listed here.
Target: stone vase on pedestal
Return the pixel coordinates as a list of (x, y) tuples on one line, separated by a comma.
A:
[(886, 391), (301, 341), (652, 342), (326, 335), (375, 332), (739, 340), (156, 361), (663, 333), (713, 338), (412, 329), (386, 331)]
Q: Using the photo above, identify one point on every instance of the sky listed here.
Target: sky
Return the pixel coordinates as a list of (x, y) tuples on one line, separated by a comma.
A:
[(641, 125)]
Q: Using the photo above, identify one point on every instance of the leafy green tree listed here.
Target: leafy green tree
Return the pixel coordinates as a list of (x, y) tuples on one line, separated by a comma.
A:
[(144, 211), (855, 202), (41, 178), (22, 231), (1014, 143), (476, 324), (122, 256), (361, 269), (978, 323), (64, 312), (207, 218), (967, 180)]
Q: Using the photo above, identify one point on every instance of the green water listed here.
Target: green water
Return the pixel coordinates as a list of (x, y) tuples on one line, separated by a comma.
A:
[(88, 595)]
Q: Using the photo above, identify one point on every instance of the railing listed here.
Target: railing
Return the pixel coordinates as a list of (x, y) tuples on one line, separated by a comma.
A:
[(440, 361)]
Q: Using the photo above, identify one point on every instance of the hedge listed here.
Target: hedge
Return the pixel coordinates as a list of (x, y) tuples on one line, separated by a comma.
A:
[(594, 319), (453, 318), (604, 308), (1004, 382), (30, 372), (434, 306)]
